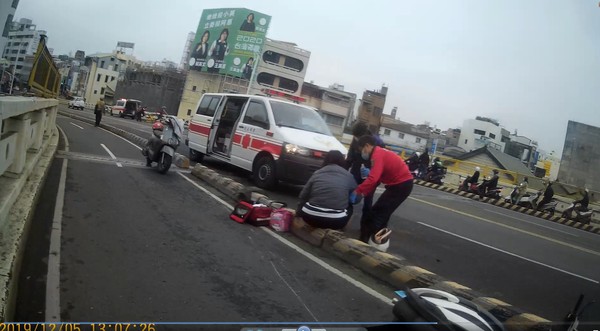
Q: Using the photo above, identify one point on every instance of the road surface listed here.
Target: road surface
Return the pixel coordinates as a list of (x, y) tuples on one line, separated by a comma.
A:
[(130, 244)]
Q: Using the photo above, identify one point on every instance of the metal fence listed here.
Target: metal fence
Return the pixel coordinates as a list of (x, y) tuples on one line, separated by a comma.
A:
[(44, 79)]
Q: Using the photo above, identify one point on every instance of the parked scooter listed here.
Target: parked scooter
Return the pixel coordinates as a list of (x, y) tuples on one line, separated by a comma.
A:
[(583, 216), (528, 200), (166, 137)]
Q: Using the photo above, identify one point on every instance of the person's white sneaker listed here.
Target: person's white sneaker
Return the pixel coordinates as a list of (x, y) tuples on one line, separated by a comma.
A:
[(381, 240)]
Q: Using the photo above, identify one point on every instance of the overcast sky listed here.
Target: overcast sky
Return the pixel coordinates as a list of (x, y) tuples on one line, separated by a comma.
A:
[(533, 65)]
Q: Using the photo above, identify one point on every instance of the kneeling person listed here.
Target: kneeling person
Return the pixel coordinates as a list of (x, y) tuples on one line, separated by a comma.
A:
[(325, 199)]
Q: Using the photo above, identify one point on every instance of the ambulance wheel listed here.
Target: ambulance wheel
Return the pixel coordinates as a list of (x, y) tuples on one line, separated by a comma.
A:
[(264, 172)]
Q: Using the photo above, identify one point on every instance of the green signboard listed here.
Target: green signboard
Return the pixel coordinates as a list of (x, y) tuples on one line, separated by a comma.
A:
[(228, 41)]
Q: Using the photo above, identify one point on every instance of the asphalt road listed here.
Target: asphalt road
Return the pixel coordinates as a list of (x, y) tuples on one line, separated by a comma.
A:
[(136, 245), (534, 264)]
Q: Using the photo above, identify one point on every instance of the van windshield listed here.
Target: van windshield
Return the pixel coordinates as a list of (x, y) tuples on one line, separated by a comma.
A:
[(121, 103), (298, 117)]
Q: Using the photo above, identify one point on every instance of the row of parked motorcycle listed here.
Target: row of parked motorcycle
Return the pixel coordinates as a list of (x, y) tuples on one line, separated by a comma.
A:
[(577, 210)]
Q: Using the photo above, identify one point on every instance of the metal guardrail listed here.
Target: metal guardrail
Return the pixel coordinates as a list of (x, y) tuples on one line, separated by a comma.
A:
[(44, 79)]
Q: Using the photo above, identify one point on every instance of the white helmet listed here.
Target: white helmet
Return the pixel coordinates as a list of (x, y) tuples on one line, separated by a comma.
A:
[(418, 153), (477, 169), (438, 306)]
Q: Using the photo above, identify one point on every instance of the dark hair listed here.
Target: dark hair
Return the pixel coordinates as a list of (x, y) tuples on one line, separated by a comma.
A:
[(334, 157), (251, 14), (251, 58), (206, 32), (226, 30), (360, 129), (366, 139)]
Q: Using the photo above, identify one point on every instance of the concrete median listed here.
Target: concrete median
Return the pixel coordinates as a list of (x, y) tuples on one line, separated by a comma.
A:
[(394, 270)]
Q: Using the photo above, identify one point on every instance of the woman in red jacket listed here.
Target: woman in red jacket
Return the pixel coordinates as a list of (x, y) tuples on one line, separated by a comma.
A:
[(387, 168)]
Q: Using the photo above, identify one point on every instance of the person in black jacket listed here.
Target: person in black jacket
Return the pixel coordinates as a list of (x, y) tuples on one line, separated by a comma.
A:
[(489, 185), (548, 195), (248, 24), (359, 167), (585, 200), (423, 163)]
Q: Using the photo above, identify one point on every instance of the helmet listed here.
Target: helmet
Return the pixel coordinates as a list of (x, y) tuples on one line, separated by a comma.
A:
[(429, 305), (158, 126), (418, 153), (436, 159), (496, 171), (477, 169)]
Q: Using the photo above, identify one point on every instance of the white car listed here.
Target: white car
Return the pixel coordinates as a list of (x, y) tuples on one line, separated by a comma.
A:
[(77, 103)]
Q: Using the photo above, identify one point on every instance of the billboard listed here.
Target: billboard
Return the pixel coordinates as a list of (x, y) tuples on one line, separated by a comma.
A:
[(228, 41)]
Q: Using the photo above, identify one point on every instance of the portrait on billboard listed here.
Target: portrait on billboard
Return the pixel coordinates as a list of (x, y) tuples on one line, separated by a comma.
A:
[(248, 24), (200, 51), (247, 73), (217, 52)]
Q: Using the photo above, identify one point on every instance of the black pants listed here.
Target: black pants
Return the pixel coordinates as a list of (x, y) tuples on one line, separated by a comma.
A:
[(325, 222), (384, 207), (98, 117), (543, 202)]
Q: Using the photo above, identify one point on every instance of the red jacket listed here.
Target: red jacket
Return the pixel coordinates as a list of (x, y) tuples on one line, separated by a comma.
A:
[(387, 168)]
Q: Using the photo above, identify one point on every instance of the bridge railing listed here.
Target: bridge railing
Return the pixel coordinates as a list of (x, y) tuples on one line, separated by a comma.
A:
[(26, 125)]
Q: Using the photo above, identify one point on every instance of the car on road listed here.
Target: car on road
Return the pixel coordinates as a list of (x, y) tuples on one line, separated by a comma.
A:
[(125, 108), (274, 139), (77, 103)]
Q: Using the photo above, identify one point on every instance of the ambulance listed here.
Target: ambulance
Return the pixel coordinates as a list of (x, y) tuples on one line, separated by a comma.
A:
[(276, 140)]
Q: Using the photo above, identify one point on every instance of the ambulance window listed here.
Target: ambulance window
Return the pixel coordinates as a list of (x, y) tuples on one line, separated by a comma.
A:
[(256, 115), (208, 106)]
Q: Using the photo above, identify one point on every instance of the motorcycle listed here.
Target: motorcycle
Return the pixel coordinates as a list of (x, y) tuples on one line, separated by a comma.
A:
[(435, 175), (494, 193), (432, 309), (469, 187), (161, 147), (528, 200), (583, 216), (580, 314)]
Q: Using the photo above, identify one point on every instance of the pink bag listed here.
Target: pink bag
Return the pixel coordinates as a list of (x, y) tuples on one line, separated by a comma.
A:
[(281, 220)]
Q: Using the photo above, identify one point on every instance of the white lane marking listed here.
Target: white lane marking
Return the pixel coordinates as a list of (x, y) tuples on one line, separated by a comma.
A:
[(509, 253), (76, 125), (116, 135), (111, 155), (53, 275), (532, 223), (309, 256), (293, 291)]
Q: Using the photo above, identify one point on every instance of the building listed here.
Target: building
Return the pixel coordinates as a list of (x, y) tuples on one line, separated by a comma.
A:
[(401, 136), (23, 41), (80, 56), (155, 87), (581, 156), (524, 149), (280, 70), (187, 51), (550, 164), (7, 14), (334, 104), (102, 77), (371, 108), (480, 132)]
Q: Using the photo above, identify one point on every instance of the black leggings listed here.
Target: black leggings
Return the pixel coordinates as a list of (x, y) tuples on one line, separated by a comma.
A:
[(327, 223), (384, 207)]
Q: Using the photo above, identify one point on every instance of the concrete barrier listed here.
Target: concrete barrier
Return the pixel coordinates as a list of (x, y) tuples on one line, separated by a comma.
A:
[(394, 270), (28, 141)]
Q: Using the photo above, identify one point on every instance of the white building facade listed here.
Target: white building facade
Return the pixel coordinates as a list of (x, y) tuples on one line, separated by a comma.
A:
[(480, 132), (7, 15), (23, 41), (103, 76), (280, 70), (402, 136)]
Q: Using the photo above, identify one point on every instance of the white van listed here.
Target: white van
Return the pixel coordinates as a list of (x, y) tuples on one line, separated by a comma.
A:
[(274, 139)]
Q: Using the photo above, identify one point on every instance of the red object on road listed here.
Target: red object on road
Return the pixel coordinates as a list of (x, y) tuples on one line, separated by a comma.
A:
[(258, 215)]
